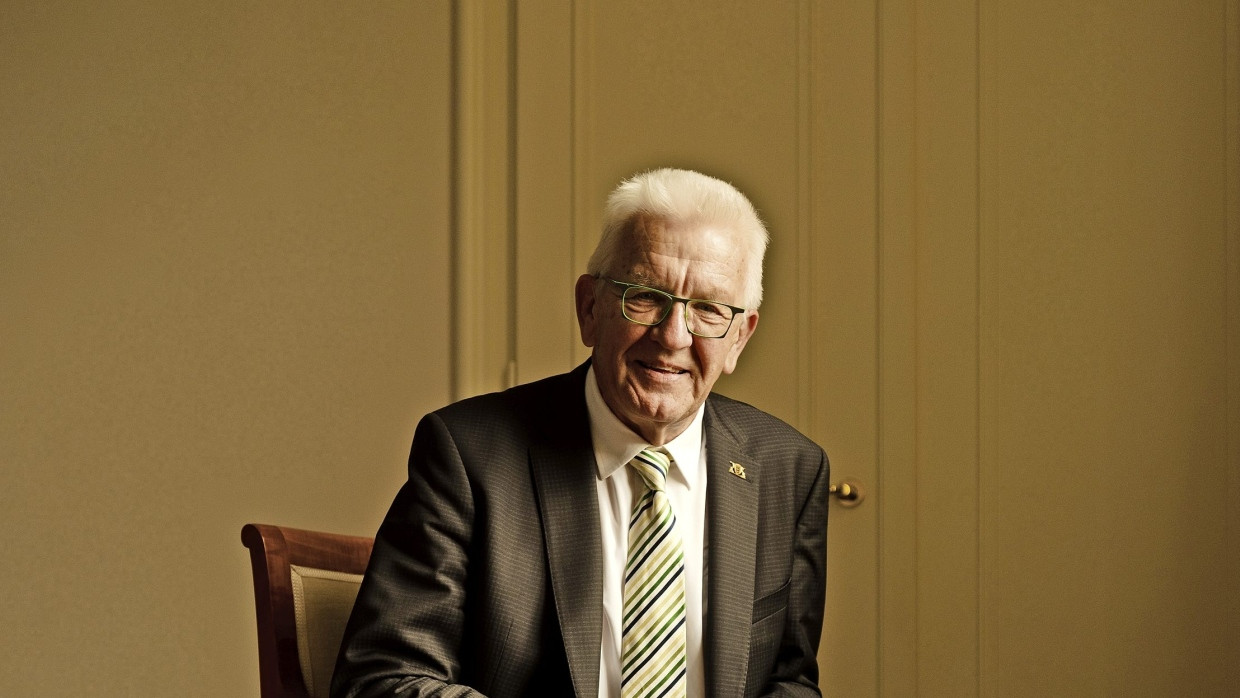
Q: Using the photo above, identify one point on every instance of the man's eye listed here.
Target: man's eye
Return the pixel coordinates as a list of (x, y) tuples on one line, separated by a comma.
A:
[(649, 298), (712, 312)]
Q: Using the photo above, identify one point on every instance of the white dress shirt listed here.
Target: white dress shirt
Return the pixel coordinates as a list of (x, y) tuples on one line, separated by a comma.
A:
[(614, 446)]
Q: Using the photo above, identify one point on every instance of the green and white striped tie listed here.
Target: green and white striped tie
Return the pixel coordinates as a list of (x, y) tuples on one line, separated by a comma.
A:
[(653, 655)]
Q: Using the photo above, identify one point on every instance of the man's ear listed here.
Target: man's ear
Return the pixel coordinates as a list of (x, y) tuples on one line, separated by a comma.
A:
[(749, 323), (586, 320)]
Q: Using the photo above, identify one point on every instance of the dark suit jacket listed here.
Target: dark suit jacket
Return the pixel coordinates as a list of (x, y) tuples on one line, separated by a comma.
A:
[(487, 570)]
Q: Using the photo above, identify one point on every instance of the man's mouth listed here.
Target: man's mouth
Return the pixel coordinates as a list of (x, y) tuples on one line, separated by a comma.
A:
[(659, 368)]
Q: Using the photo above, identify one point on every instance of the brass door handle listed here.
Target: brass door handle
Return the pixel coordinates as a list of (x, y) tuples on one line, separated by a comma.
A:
[(847, 493)]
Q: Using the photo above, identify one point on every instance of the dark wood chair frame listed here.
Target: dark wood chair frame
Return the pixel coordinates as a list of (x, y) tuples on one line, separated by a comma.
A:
[(272, 550)]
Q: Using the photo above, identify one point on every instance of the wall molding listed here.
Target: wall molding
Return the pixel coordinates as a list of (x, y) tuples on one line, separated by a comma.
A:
[(483, 199)]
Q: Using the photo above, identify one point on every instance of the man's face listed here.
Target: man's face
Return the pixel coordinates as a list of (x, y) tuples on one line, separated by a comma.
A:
[(655, 378)]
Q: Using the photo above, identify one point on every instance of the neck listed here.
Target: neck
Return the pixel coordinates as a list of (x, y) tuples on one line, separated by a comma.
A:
[(658, 434)]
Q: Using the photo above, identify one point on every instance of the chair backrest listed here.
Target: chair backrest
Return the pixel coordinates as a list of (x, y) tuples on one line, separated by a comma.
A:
[(305, 583)]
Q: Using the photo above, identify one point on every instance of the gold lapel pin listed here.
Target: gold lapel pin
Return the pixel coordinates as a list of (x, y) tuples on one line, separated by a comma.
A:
[(738, 470)]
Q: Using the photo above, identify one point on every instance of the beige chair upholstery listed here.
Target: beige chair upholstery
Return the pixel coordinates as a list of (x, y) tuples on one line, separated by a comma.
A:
[(304, 586)]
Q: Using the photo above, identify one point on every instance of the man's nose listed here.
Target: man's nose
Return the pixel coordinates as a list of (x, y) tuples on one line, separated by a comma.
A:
[(673, 332)]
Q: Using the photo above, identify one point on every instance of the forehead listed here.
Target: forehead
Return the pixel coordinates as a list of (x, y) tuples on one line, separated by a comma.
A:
[(695, 258)]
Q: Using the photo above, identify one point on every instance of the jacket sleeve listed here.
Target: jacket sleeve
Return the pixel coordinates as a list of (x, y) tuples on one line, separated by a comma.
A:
[(404, 636), (796, 669)]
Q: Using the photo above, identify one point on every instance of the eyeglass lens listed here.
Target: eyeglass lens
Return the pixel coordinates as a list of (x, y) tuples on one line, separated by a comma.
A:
[(647, 306)]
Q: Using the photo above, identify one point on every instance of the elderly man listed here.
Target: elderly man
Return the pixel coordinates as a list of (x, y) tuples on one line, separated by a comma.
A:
[(618, 530)]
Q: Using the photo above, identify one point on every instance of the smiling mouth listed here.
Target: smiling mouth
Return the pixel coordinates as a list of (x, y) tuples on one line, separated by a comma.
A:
[(665, 370)]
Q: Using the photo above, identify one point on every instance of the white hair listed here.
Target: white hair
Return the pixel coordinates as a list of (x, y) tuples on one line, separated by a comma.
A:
[(679, 198)]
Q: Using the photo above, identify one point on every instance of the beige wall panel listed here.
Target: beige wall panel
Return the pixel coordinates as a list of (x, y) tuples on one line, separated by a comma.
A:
[(1232, 261), (484, 302), (223, 255), (1103, 405), (896, 487), (946, 344), (546, 333)]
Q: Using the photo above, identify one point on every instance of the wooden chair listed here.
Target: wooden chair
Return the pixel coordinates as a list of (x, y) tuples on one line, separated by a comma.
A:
[(305, 583)]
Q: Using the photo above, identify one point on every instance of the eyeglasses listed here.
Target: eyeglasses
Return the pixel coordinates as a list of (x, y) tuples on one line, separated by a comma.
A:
[(650, 306)]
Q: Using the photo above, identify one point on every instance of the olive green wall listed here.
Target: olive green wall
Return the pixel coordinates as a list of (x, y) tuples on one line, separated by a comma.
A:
[(223, 298)]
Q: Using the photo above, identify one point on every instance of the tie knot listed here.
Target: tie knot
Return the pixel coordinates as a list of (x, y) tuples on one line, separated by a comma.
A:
[(652, 464)]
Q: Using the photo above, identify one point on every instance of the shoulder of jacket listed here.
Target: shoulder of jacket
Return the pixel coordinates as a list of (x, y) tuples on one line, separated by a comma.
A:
[(750, 424)]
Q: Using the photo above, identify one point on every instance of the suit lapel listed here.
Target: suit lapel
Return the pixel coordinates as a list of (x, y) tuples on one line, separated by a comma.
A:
[(732, 525), (564, 474)]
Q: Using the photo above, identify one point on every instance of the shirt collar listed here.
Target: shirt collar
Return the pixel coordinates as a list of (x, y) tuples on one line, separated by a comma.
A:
[(615, 444)]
